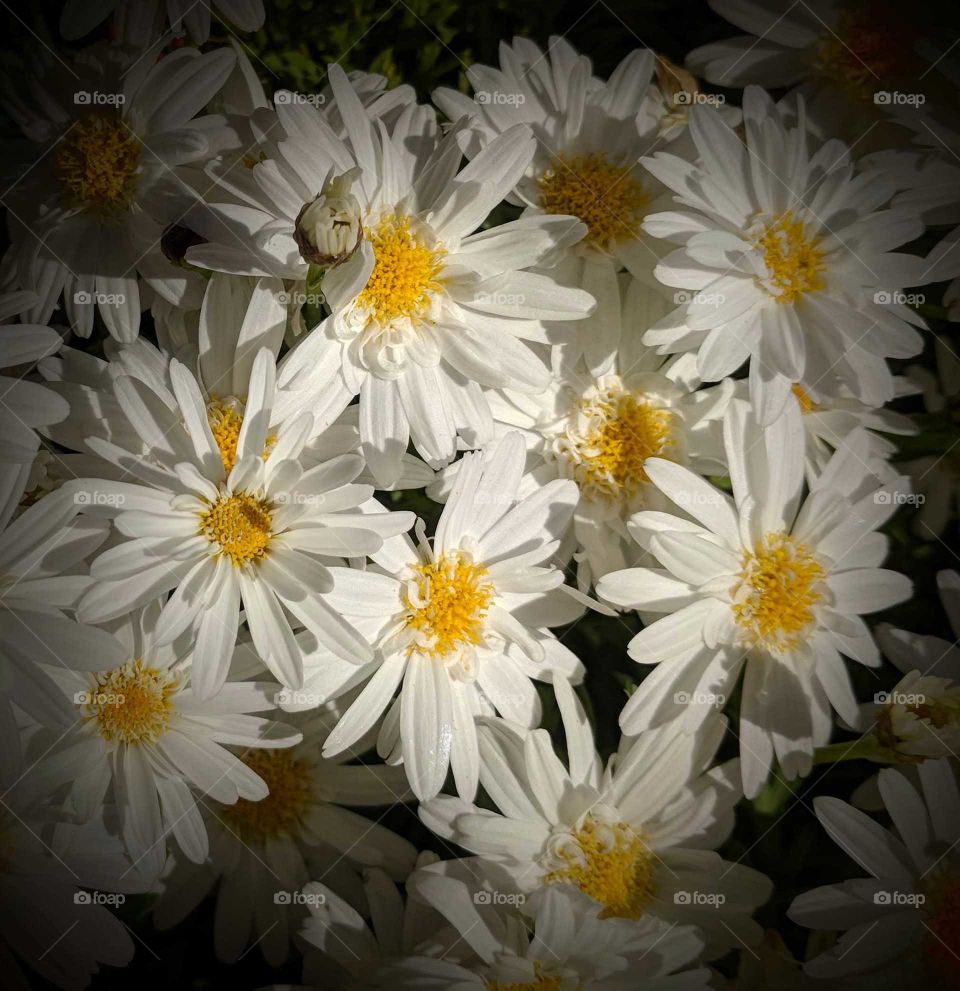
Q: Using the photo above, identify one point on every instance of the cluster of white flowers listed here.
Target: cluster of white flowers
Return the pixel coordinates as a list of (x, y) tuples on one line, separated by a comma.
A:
[(658, 397)]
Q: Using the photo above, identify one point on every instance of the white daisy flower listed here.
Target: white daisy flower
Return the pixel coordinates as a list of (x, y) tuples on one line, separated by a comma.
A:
[(563, 946), (919, 717), (42, 564), (223, 512), (146, 742), (900, 924), (590, 136), (105, 141), (598, 427), (141, 22), (829, 417), (264, 852), (344, 949), (459, 624), (787, 258), (424, 307), (763, 582), (25, 405), (837, 48), (49, 924), (637, 837)]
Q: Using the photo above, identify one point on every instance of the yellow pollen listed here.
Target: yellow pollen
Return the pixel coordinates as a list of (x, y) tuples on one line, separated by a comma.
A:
[(611, 864), (794, 260), (405, 272), (132, 704), (97, 164), (776, 591), (447, 601), (541, 982), (241, 525), (807, 405), (281, 812), (225, 417), (606, 197), (625, 430), (225, 423)]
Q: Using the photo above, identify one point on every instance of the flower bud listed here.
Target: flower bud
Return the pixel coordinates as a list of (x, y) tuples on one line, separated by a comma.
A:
[(328, 228)]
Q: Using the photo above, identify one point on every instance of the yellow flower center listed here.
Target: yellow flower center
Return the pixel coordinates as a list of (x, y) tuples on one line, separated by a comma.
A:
[(612, 864), (132, 703), (624, 429), (865, 49), (541, 982), (793, 259), (280, 813), (447, 601), (97, 164), (776, 591), (225, 422), (605, 197), (405, 272), (807, 405), (240, 524)]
